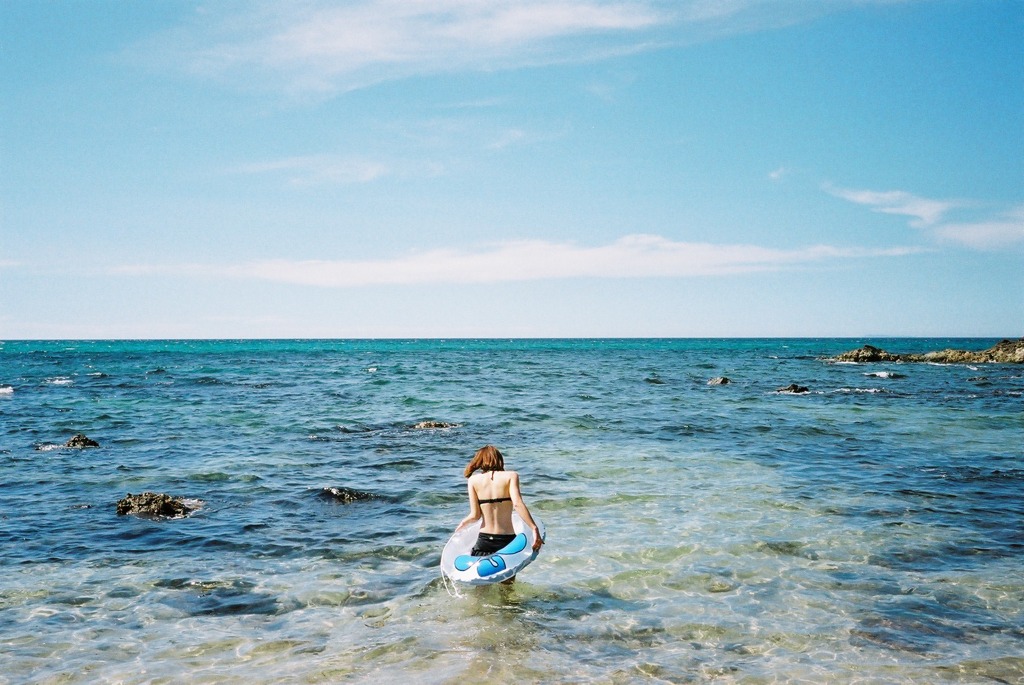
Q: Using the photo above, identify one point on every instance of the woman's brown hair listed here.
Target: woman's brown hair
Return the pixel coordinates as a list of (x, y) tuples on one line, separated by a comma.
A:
[(487, 458)]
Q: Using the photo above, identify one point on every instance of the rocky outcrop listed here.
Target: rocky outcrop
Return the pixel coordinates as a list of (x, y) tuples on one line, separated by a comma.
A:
[(154, 505), (346, 495), (794, 389), (868, 354), (719, 380), (1008, 351), (80, 441), (1003, 352)]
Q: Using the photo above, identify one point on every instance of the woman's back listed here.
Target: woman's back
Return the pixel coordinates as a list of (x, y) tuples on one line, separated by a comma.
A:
[(493, 492)]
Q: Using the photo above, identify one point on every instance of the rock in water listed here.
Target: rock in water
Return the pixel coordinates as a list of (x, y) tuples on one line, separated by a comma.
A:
[(157, 505), (429, 425), (346, 495), (868, 354), (79, 441), (794, 389), (719, 380)]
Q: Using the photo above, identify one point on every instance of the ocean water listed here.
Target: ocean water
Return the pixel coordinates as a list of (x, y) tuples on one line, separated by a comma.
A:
[(869, 531)]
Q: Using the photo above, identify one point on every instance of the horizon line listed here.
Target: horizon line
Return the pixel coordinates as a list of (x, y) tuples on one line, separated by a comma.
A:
[(900, 336)]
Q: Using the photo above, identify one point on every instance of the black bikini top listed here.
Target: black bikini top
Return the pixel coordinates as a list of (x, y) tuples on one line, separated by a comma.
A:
[(496, 499)]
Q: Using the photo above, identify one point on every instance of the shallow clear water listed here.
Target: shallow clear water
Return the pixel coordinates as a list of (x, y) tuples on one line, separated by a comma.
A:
[(871, 530)]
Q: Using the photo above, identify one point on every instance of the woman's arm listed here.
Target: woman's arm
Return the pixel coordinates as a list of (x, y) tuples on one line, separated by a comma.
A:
[(520, 506), (474, 508)]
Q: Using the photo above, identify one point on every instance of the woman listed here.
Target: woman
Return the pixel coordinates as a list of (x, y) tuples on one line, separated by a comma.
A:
[(493, 494)]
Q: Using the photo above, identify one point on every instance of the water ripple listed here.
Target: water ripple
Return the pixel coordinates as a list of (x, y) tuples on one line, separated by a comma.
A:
[(870, 530)]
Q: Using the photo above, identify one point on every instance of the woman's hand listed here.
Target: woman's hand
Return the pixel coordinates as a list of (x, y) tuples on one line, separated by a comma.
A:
[(537, 540)]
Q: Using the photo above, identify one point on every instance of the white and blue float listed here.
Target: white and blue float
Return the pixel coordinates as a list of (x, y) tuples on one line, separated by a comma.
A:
[(459, 566)]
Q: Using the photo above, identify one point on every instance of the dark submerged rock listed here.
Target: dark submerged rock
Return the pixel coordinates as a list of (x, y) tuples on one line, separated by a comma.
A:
[(794, 389), (152, 504), (719, 380), (80, 441), (346, 495), (430, 425)]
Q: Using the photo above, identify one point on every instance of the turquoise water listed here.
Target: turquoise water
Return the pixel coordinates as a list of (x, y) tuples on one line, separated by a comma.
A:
[(871, 530)]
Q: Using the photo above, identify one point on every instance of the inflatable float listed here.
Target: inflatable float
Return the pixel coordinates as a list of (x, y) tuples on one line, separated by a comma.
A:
[(459, 566)]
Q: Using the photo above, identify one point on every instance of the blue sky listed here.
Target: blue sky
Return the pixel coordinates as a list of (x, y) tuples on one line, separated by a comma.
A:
[(458, 168)]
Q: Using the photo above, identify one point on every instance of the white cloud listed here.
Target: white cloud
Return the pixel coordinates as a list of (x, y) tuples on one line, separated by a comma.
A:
[(326, 47), (1001, 231), (632, 256), (321, 47), (922, 211), (508, 137), (314, 170), (320, 169), (984, 233)]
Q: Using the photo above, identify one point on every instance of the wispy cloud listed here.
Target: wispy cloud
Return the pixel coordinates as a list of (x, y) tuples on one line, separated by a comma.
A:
[(319, 169), (922, 211), (1001, 231), (326, 47), (932, 216), (633, 256), (314, 170), (507, 138), (511, 137)]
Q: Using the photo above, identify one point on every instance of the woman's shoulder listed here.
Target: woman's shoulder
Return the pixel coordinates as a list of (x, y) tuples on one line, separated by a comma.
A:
[(505, 476)]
